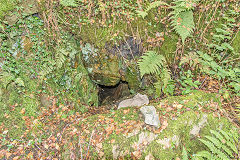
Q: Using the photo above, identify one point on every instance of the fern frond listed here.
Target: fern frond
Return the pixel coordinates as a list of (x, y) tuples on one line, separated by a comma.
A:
[(191, 58), (225, 134), (227, 150), (214, 140), (203, 154), (182, 18), (142, 14), (165, 77), (210, 146), (218, 144), (152, 5), (235, 134), (68, 3), (183, 24), (151, 63), (230, 141), (221, 145), (46, 69), (163, 82), (214, 149), (184, 154), (60, 57), (155, 5)]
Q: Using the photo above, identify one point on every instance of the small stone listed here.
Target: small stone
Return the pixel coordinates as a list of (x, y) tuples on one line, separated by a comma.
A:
[(150, 115), (138, 100), (196, 128)]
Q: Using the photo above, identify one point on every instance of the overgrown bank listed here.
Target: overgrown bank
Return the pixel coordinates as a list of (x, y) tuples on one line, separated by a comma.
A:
[(62, 55)]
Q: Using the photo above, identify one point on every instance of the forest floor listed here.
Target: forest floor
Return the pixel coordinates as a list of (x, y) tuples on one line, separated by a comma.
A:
[(59, 133)]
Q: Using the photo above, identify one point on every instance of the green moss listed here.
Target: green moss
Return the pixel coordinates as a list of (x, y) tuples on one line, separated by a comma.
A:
[(132, 78), (123, 144), (236, 43), (6, 5), (193, 99), (12, 103), (181, 128), (118, 31), (99, 36), (168, 48), (81, 89)]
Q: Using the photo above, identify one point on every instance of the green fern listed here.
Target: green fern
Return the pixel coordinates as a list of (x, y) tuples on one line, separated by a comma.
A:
[(61, 56), (155, 64), (164, 83), (47, 68), (68, 3), (192, 59), (184, 154), (151, 63), (152, 5), (182, 18), (222, 145)]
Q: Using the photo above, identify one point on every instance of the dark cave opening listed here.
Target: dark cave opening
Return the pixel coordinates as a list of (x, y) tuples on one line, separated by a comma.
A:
[(112, 94)]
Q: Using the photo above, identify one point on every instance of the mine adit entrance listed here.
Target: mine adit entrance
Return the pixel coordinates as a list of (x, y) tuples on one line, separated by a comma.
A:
[(113, 68), (112, 94)]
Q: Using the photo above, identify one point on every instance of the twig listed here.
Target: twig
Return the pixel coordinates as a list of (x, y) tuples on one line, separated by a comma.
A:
[(202, 83), (210, 20), (235, 36), (80, 145), (130, 48), (89, 144)]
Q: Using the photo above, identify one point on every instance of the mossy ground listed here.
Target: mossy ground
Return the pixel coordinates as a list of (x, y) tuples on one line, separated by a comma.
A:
[(6, 5), (197, 97), (17, 104), (236, 43), (179, 126)]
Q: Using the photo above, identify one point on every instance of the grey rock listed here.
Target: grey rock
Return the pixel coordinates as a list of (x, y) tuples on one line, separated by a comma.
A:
[(118, 152), (150, 115), (45, 100), (138, 100), (196, 128), (167, 142), (115, 151), (144, 139)]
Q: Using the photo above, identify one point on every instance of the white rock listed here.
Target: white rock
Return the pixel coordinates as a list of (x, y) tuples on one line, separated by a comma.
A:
[(138, 100), (150, 115), (167, 142), (115, 151), (196, 128)]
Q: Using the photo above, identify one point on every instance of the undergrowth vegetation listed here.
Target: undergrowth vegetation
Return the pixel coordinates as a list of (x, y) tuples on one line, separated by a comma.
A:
[(164, 48)]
